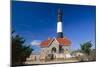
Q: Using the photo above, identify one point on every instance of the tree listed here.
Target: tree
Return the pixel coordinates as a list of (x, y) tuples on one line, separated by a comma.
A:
[(19, 50), (93, 54), (86, 47)]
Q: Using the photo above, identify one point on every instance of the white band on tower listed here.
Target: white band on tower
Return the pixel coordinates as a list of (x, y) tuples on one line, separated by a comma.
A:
[(59, 27)]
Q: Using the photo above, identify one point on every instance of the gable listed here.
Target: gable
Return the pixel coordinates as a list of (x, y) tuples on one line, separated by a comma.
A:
[(53, 43)]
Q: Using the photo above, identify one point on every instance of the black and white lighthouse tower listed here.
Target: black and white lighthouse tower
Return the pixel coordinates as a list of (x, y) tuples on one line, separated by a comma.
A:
[(59, 24)]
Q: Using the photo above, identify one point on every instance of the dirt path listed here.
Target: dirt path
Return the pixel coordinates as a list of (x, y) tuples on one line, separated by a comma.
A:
[(62, 61)]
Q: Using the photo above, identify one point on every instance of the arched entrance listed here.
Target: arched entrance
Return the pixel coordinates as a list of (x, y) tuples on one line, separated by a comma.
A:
[(53, 50)]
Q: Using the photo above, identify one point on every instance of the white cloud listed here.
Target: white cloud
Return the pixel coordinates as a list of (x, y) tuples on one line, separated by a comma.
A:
[(35, 42)]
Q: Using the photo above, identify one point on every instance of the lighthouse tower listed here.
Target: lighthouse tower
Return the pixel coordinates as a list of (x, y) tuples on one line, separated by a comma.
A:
[(59, 24)]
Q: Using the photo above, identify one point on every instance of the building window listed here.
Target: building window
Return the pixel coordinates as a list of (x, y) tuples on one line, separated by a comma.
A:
[(53, 50)]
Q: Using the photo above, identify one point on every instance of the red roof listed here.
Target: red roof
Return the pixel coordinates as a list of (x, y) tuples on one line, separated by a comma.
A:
[(62, 41), (45, 43)]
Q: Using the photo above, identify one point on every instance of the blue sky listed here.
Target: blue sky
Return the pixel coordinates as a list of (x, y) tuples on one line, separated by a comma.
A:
[(38, 21)]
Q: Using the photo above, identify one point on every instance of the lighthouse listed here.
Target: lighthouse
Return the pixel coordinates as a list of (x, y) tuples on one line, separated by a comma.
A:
[(58, 45), (59, 24)]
